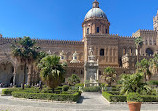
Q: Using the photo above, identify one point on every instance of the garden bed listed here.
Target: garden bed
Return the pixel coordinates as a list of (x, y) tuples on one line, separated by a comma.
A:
[(111, 97), (45, 94)]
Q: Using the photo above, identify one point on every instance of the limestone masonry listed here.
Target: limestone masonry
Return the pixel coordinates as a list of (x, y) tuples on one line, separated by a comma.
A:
[(108, 49)]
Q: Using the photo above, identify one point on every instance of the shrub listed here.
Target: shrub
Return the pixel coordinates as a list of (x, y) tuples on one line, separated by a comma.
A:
[(153, 82), (65, 88), (79, 85), (134, 97), (8, 91), (114, 92), (48, 96), (114, 98), (91, 89), (46, 90), (149, 98)]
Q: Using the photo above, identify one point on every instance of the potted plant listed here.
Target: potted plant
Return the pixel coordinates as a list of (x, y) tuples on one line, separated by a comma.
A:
[(133, 86), (134, 101)]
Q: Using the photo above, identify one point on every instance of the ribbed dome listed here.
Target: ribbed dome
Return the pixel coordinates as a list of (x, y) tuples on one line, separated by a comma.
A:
[(95, 12)]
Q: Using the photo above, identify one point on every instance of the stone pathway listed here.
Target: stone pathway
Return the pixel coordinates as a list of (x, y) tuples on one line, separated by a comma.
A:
[(88, 102)]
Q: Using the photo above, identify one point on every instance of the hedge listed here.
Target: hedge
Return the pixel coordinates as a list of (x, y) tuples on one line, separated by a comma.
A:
[(91, 89), (121, 98), (10, 90), (47, 96), (114, 98)]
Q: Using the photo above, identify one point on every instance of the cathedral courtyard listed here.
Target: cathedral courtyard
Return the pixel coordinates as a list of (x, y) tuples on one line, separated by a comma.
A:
[(88, 102), (100, 72)]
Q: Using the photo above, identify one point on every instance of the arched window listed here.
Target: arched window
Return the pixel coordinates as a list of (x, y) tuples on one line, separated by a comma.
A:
[(99, 72), (87, 30), (81, 71), (124, 51), (97, 29), (106, 31), (101, 52), (149, 51)]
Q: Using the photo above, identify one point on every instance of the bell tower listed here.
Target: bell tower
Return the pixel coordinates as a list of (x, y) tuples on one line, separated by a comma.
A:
[(155, 22), (95, 21)]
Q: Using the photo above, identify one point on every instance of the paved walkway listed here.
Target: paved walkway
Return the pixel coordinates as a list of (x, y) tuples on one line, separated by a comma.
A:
[(88, 102)]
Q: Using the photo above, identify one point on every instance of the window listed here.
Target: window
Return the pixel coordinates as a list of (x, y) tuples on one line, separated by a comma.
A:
[(149, 52), (99, 72), (62, 57), (154, 42), (106, 31), (97, 29), (87, 30), (81, 71), (146, 42), (150, 42), (101, 52)]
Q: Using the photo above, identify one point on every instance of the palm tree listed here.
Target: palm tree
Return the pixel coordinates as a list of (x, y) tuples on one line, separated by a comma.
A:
[(73, 79), (138, 43), (133, 83), (144, 67), (51, 71), (109, 75), (25, 52), (154, 64)]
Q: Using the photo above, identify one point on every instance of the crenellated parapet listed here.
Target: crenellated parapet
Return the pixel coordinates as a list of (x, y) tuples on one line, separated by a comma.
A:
[(42, 41)]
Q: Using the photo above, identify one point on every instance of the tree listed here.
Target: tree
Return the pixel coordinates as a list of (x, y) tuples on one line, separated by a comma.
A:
[(143, 66), (133, 83), (25, 52), (109, 75), (73, 79), (138, 43), (51, 71), (154, 64)]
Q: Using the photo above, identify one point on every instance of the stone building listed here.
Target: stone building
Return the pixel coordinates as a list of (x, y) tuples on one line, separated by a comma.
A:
[(109, 49)]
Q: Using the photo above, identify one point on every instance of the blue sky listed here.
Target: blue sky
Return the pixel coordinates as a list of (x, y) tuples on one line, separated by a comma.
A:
[(62, 19)]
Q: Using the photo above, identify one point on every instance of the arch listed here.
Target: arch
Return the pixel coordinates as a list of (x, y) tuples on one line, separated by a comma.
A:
[(6, 72), (149, 51), (124, 51), (7, 60)]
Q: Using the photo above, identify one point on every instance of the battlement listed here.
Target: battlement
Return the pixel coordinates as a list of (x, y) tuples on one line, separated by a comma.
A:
[(42, 41), (127, 37)]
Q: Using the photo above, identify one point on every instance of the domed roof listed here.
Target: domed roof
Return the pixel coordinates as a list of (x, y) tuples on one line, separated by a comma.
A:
[(95, 12)]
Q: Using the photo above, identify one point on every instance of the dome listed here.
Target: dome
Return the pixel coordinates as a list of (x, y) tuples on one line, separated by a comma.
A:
[(95, 12)]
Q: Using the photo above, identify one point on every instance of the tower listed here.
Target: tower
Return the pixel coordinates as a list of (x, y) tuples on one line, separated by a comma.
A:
[(95, 21), (155, 22)]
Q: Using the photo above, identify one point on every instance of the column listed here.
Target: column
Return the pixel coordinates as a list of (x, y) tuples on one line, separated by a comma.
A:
[(14, 77)]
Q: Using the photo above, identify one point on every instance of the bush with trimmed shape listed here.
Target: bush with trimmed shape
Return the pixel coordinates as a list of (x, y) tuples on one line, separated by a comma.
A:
[(91, 89), (47, 96)]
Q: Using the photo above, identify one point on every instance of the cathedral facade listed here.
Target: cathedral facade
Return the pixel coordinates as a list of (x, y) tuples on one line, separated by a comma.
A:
[(109, 50)]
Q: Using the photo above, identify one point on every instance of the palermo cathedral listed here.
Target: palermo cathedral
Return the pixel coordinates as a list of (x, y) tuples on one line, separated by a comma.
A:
[(109, 50)]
